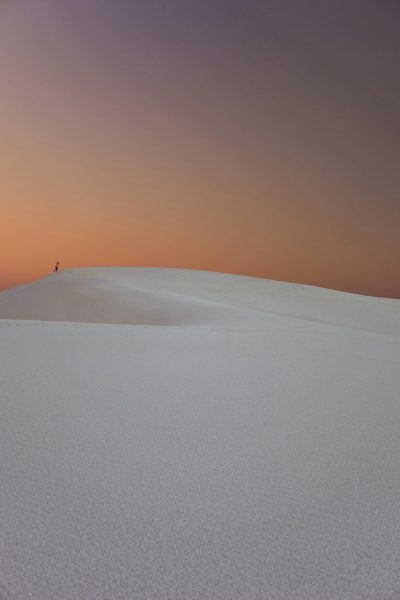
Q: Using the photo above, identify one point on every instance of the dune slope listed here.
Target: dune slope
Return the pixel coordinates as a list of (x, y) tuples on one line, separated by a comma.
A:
[(140, 296), (189, 435)]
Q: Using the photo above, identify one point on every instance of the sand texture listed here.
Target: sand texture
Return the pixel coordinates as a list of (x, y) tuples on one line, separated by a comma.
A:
[(184, 435)]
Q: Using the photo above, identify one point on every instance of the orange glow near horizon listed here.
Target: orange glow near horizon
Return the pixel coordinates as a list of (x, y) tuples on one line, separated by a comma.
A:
[(190, 148)]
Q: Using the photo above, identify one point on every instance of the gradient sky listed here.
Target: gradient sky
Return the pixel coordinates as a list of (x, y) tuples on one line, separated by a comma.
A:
[(255, 137)]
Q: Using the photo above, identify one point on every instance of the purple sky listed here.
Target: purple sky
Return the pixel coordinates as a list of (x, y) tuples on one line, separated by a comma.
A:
[(252, 137)]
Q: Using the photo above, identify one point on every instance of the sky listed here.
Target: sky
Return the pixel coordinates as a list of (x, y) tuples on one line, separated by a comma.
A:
[(257, 137)]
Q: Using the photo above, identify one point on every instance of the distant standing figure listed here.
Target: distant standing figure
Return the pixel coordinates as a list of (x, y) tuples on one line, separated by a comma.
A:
[(57, 266)]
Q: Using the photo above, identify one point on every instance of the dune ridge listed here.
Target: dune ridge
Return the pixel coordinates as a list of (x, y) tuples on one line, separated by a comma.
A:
[(142, 296)]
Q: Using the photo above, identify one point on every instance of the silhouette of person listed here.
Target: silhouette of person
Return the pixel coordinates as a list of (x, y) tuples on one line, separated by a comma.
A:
[(57, 266)]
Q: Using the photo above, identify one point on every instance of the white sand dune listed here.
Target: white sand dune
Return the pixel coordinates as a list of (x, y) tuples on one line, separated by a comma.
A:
[(183, 435), (139, 296)]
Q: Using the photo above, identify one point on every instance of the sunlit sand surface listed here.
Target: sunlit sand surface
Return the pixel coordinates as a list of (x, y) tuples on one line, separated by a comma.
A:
[(184, 435)]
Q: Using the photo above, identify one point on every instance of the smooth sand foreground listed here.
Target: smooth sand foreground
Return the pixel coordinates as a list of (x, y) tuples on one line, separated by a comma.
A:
[(185, 435)]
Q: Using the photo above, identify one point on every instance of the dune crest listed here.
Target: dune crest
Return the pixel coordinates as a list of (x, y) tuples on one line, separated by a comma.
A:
[(168, 297)]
